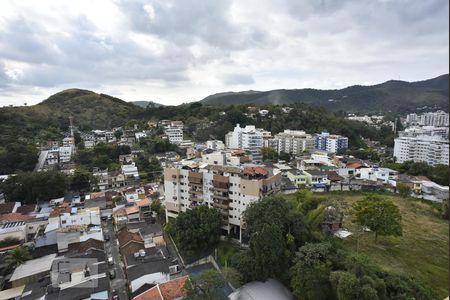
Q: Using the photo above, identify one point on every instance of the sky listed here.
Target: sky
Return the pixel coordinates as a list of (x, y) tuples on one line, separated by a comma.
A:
[(173, 52)]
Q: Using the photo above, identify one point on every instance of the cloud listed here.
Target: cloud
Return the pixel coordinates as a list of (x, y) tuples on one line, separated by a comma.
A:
[(178, 51)]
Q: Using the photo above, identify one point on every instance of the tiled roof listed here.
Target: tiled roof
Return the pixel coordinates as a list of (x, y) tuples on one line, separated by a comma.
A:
[(171, 290), (7, 207), (15, 217), (82, 247), (131, 210), (126, 236), (355, 165), (63, 208), (26, 209), (97, 195), (143, 202)]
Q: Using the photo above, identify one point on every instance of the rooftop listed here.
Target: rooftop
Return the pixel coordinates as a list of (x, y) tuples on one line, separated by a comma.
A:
[(34, 266), (170, 290)]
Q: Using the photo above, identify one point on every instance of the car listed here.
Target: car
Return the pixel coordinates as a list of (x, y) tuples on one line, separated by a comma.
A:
[(112, 274), (110, 260), (115, 296)]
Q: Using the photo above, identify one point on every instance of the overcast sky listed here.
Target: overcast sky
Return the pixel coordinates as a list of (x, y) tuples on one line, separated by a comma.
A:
[(179, 51)]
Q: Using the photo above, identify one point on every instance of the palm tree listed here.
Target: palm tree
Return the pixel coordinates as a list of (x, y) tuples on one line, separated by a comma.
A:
[(17, 256)]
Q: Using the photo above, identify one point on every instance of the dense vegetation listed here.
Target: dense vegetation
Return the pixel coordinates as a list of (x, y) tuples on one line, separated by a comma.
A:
[(31, 187), (196, 231), (391, 96), (322, 267), (101, 156)]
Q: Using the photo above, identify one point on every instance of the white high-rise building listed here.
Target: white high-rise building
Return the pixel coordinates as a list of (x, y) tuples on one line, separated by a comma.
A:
[(230, 189), (248, 138), (438, 119), (330, 142), (430, 149)]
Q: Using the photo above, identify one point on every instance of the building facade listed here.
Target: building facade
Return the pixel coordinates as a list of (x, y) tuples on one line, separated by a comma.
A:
[(330, 142), (229, 189), (430, 149)]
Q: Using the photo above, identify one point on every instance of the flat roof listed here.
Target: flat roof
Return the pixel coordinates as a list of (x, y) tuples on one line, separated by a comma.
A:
[(34, 266), (12, 293)]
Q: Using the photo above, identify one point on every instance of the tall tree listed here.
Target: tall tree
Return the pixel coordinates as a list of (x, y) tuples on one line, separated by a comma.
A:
[(379, 215), (196, 230), (207, 286)]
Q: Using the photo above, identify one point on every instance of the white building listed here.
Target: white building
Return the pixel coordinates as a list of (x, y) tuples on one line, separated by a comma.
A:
[(430, 149), (229, 189), (140, 135), (130, 170), (438, 118), (378, 174), (65, 153), (215, 145), (425, 130), (248, 138), (292, 141), (174, 134)]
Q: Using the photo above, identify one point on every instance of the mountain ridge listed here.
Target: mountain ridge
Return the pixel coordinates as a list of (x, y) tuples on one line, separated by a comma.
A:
[(390, 96)]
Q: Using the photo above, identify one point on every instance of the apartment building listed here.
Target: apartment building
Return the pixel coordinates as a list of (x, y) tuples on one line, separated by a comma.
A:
[(230, 189), (430, 149), (425, 130), (293, 142), (215, 145), (438, 118), (248, 138), (174, 134), (331, 142)]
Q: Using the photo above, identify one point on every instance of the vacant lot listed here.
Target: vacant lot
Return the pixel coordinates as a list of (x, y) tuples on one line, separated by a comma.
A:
[(422, 251)]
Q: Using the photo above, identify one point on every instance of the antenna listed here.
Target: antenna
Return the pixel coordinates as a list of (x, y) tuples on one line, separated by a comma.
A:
[(71, 126)]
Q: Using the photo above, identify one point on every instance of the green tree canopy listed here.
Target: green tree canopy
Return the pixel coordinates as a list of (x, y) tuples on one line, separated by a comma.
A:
[(196, 230), (379, 215)]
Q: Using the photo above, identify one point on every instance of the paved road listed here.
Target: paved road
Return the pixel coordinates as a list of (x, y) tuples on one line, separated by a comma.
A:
[(112, 248)]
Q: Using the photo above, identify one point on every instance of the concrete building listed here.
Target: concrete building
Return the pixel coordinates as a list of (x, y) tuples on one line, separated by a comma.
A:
[(330, 142), (430, 149), (293, 142), (230, 189), (248, 138), (215, 145), (65, 153), (174, 133)]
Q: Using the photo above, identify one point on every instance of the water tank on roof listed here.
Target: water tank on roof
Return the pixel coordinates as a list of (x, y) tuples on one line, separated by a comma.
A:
[(142, 252)]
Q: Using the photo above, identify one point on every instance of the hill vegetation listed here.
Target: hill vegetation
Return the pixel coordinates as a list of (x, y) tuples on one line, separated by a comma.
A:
[(391, 96)]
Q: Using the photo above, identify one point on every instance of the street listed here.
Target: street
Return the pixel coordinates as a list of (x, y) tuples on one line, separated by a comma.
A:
[(112, 249)]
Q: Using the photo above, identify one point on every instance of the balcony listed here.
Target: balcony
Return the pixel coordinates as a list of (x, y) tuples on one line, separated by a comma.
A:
[(223, 212), (220, 197), (221, 206), (195, 184), (196, 192)]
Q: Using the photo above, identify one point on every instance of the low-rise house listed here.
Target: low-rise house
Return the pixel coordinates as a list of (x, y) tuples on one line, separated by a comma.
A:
[(75, 234), (129, 242), (32, 270), (384, 175), (299, 177), (151, 233), (319, 179), (14, 229), (149, 266), (170, 290), (434, 192), (144, 206)]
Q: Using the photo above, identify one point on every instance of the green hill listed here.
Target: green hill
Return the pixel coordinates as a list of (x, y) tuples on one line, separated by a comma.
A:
[(391, 96), (89, 110)]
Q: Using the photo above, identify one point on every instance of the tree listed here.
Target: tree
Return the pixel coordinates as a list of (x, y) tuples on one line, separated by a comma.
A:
[(81, 180), (207, 286), (232, 276), (33, 186), (346, 285), (285, 156), (269, 154), (196, 230), (404, 190), (381, 216), (17, 256), (267, 246), (310, 272)]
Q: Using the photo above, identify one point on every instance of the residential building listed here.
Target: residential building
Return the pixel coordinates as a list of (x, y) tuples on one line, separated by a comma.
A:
[(384, 175), (215, 145), (130, 170), (415, 131), (330, 142), (170, 290), (174, 134), (65, 153), (299, 178), (102, 178), (228, 188), (32, 270), (293, 142), (430, 149), (249, 138)]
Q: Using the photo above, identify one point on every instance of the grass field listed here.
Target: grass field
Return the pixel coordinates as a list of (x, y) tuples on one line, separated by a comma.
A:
[(422, 251)]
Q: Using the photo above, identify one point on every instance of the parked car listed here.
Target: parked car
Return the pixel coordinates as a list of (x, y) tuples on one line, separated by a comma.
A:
[(112, 274), (110, 260)]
